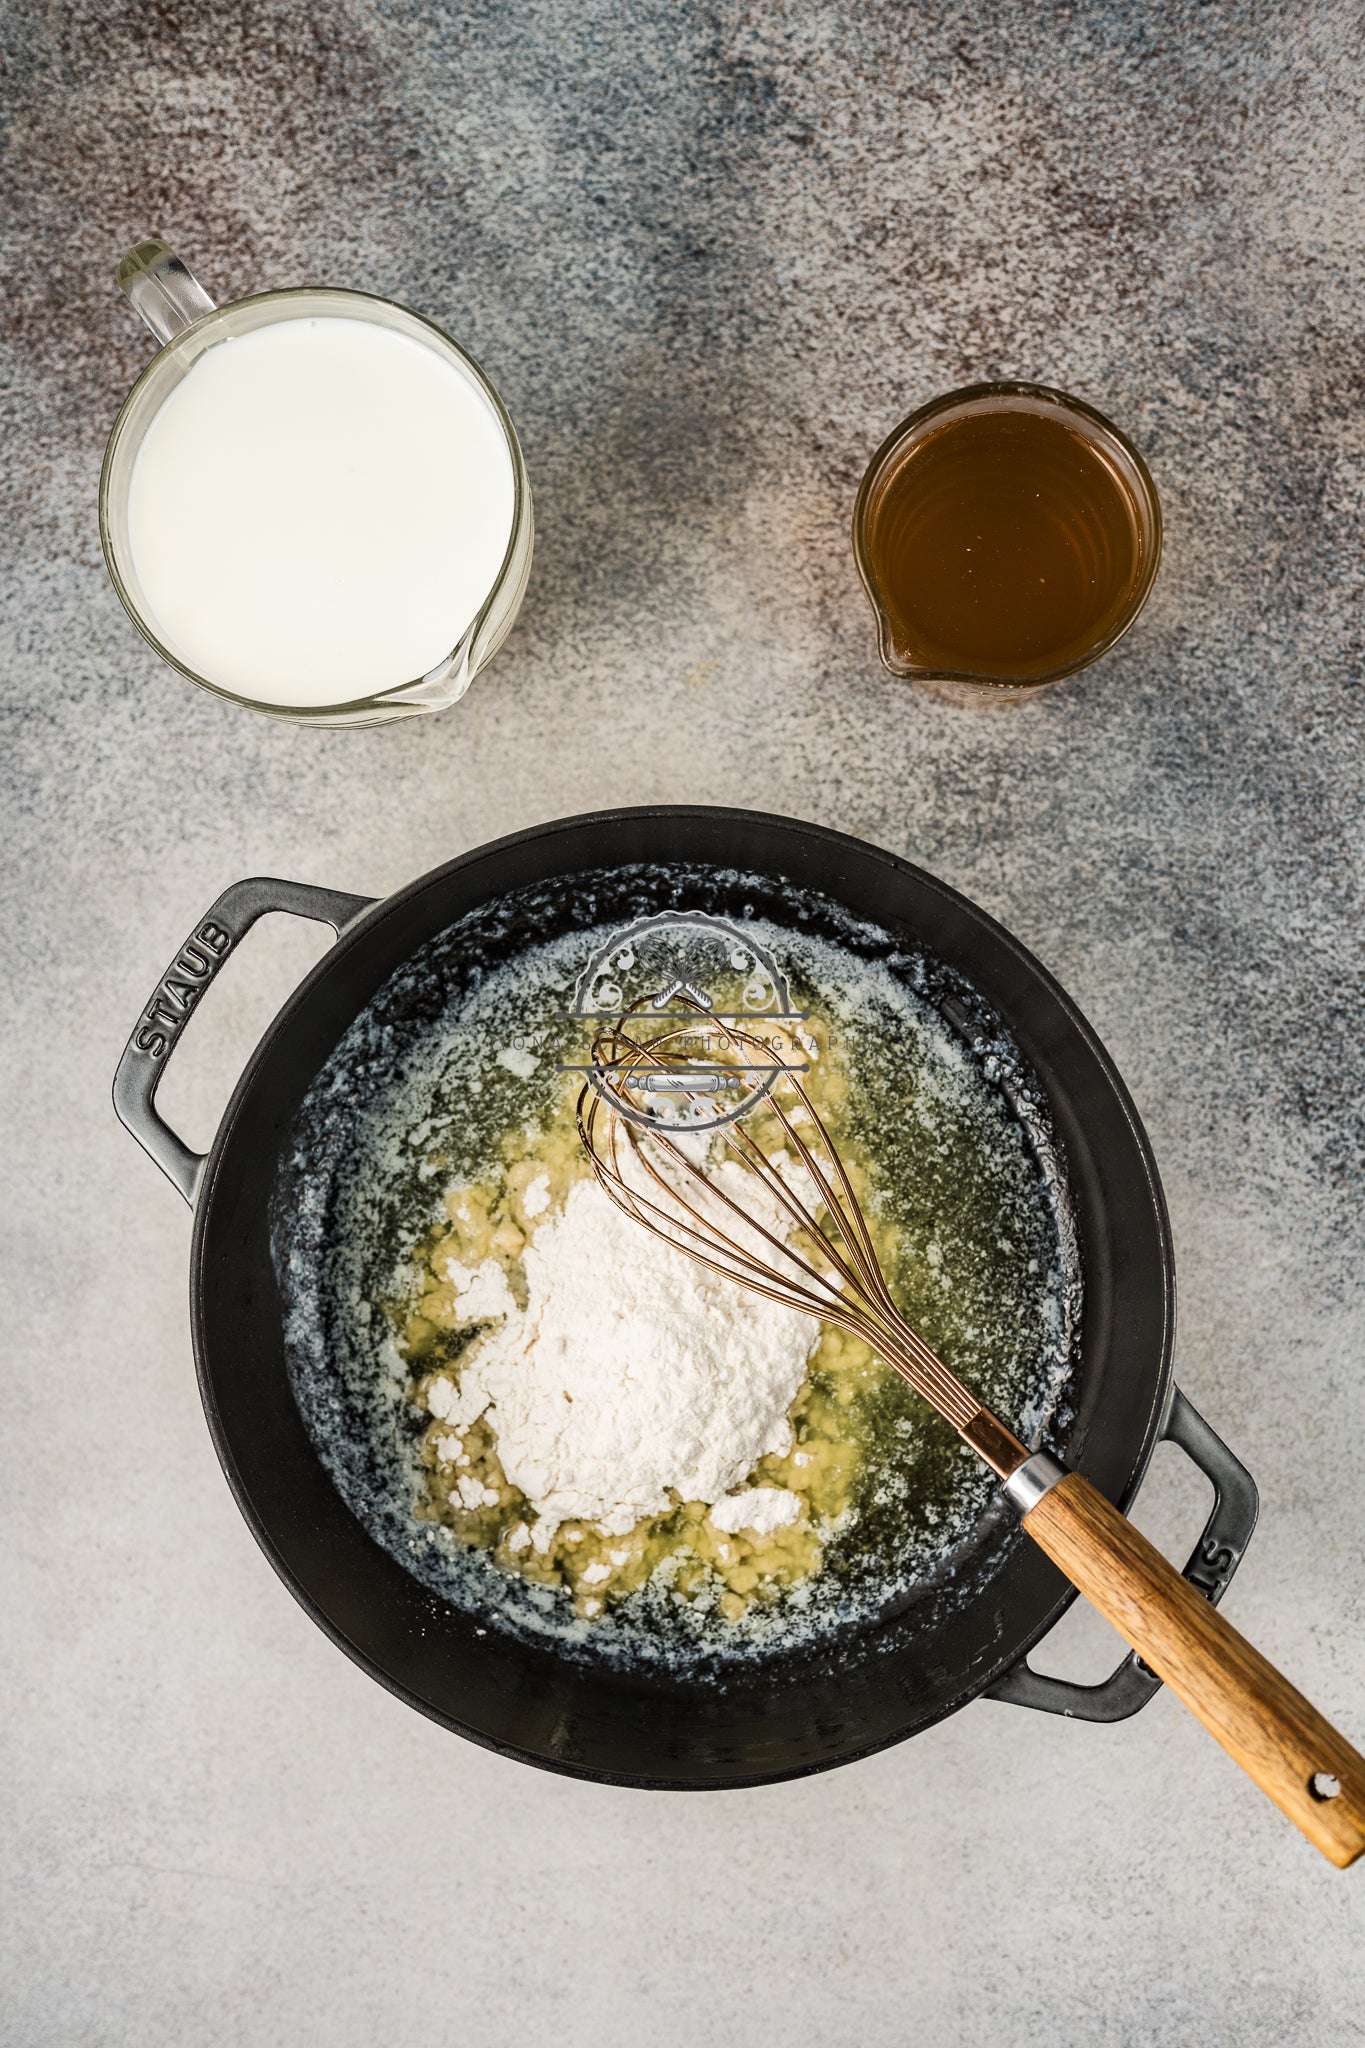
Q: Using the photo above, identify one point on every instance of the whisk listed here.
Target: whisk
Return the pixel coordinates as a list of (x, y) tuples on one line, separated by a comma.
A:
[(790, 1225)]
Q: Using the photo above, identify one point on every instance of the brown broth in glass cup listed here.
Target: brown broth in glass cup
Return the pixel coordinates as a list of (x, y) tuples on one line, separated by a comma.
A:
[(1007, 536)]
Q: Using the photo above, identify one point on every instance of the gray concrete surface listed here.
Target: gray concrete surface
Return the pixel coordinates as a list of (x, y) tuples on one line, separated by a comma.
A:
[(710, 253)]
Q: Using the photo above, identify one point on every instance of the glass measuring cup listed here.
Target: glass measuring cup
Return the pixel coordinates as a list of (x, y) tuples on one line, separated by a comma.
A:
[(187, 323), (1087, 474)]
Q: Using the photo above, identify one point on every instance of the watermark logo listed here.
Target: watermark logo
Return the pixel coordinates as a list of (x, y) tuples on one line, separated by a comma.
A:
[(682, 978)]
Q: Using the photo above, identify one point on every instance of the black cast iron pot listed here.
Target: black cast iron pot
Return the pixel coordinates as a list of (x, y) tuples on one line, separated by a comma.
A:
[(786, 1716)]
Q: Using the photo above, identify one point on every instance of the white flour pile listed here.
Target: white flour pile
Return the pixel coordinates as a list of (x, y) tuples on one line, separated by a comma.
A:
[(632, 1375)]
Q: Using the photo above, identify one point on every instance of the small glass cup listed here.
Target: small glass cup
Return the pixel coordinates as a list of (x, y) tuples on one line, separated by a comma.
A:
[(185, 320), (1119, 455)]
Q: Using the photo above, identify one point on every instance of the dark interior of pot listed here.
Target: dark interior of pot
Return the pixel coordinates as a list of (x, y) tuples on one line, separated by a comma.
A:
[(812, 1704)]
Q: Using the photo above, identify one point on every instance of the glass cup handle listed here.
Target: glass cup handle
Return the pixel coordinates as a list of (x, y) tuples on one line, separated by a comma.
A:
[(162, 289)]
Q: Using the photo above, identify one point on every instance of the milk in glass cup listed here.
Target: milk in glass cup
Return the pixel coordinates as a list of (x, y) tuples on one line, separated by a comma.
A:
[(313, 501)]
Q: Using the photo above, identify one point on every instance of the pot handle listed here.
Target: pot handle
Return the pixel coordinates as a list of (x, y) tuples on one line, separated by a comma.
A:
[(194, 967), (1212, 1563)]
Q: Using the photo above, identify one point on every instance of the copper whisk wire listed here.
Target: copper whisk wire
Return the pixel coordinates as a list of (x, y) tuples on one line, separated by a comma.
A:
[(689, 1203)]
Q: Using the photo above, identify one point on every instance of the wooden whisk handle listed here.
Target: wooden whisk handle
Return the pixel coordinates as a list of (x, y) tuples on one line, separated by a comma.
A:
[(1267, 1727)]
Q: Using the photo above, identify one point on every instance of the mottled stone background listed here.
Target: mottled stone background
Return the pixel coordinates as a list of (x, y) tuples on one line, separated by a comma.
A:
[(710, 254)]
